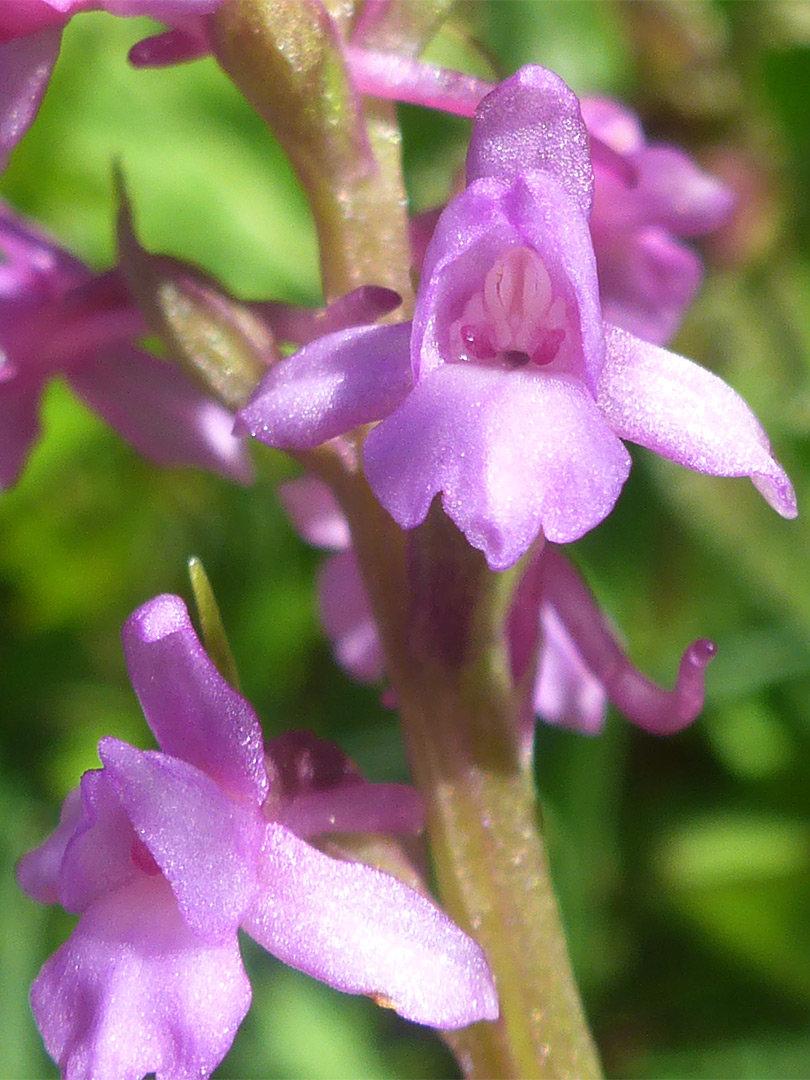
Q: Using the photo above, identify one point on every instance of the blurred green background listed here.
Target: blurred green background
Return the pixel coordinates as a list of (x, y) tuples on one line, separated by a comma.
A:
[(683, 865)]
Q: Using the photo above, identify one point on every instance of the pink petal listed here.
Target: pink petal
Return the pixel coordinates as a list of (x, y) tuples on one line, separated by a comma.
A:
[(172, 47), (566, 692), (315, 513), (661, 712), (347, 618), (134, 991), (364, 932), (647, 281), (360, 808), (301, 325), (674, 193), (26, 64), (329, 387), (205, 844), (19, 426), (396, 77), (38, 871), (513, 453), (689, 415), (157, 408), (315, 789), (34, 263), (532, 121), (613, 124), (98, 858), (192, 710)]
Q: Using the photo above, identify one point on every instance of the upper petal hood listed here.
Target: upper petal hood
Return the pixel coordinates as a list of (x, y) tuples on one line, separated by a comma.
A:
[(532, 121), (475, 229)]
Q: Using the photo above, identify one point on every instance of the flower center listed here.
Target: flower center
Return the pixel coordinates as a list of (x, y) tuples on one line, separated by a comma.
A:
[(515, 319)]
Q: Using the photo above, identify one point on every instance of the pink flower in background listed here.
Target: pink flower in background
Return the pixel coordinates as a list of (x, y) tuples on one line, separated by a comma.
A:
[(166, 853), (509, 395), (30, 36), (342, 598), (647, 277), (57, 318)]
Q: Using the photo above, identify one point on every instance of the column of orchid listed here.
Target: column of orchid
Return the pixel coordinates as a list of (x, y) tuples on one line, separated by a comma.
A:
[(451, 442)]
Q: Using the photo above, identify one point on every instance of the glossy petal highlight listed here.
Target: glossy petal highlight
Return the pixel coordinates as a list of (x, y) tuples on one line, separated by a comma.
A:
[(332, 385), (364, 932)]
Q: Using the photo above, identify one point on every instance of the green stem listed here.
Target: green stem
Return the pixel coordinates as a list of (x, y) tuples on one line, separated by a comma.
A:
[(458, 711)]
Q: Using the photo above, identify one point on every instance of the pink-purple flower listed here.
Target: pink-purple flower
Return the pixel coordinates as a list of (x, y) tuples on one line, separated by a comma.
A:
[(58, 319), (509, 395), (164, 854)]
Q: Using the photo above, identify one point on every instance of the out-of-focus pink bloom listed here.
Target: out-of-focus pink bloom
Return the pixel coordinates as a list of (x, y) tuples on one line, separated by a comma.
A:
[(557, 634), (30, 36), (59, 319), (342, 598), (509, 395), (647, 277), (166, 853)]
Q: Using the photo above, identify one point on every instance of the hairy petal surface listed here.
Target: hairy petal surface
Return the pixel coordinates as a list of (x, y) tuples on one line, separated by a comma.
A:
[(559, 471), (532, 121), (205, 844), (687, 414), (330, 386), (134, 991), (193, 712), (364, 932), (157, 409)]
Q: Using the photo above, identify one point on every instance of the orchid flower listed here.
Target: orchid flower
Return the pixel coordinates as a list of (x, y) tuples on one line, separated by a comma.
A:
[(58, 318), (166, 853), (509, 394)]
